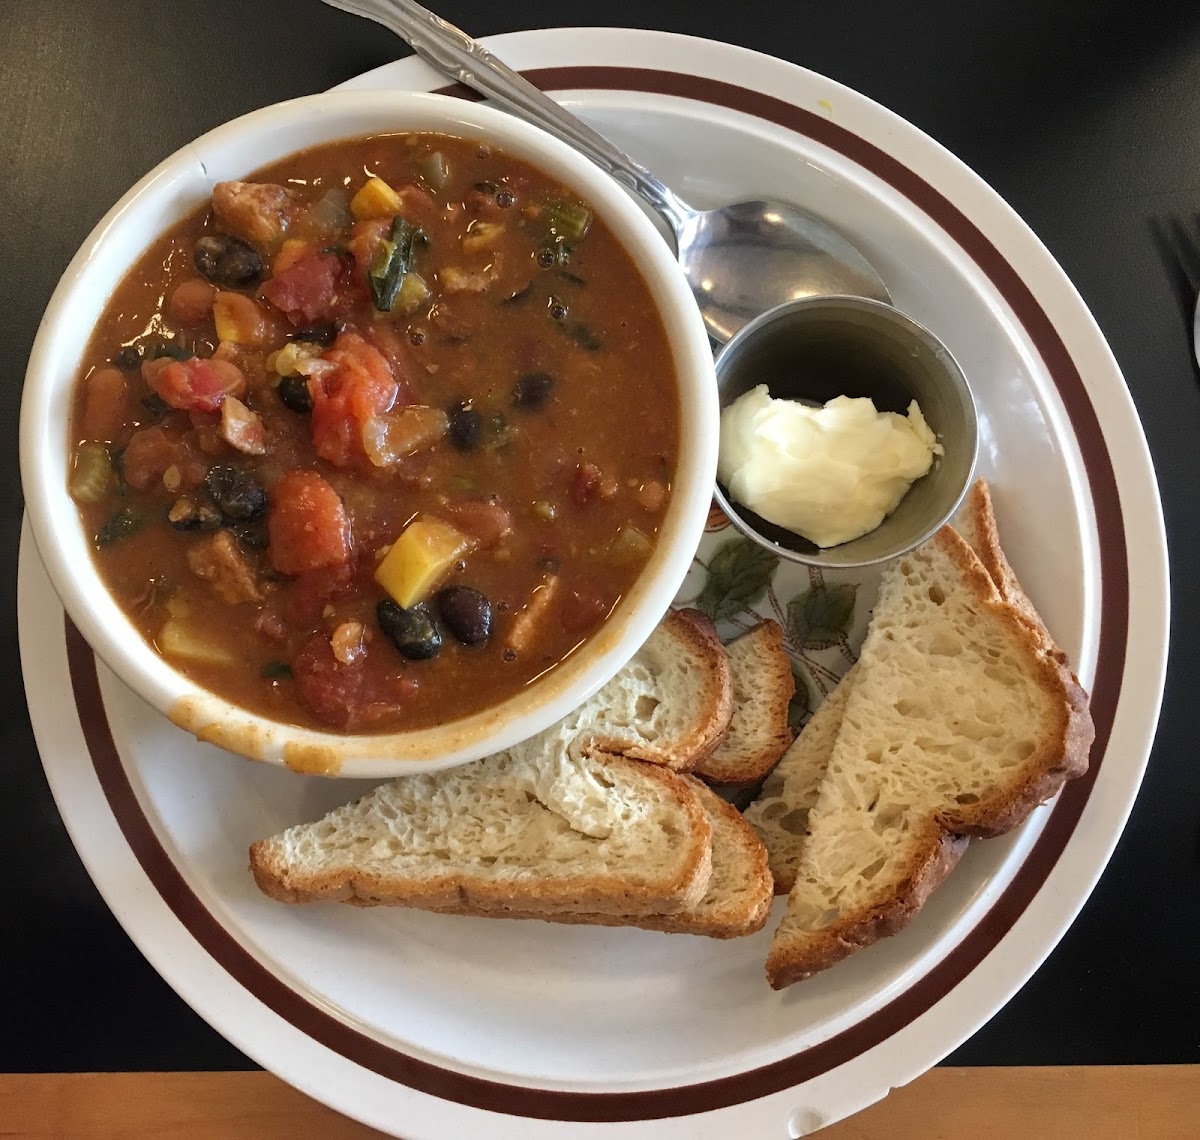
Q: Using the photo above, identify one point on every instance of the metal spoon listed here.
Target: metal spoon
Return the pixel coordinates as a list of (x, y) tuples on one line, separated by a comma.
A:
[(740, 260)]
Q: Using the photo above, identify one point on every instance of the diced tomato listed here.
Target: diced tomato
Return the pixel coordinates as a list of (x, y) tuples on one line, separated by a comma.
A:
[(364, 240), (307, 291), (152, 450), (582, 610), (104, 406), (195, 385), (586, 484), (487, 522), (307, 526), (397, 350), (311, 591), (360, 387), (346, 696), (417, 205)]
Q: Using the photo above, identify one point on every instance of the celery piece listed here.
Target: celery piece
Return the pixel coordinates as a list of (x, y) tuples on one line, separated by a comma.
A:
[(566, 221), (92, 475), (435, 170)]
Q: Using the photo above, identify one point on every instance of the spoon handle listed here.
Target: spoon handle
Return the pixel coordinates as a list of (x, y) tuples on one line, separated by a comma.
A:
[(453, 52)]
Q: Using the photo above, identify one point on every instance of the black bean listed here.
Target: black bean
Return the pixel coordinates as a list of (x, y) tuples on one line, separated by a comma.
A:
[(169, 348), (531, 390), (412, 631), (293, 391), (190, 515), (466, 427), (467, 614), (238, 495), (129, 357), (156, 407), (251, 534), (324, 334), (226, 260)]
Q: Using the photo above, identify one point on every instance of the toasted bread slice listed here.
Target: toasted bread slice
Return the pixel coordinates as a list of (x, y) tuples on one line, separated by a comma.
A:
[(758, 731), (958, 723), (557, 834), (669, 705), (739, 893), (780, 814)]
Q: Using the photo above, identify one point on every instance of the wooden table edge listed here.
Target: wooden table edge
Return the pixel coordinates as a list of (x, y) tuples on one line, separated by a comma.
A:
[(1084, 1102)]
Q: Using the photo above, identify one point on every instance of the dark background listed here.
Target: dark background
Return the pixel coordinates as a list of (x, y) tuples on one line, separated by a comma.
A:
[(1084, 115)]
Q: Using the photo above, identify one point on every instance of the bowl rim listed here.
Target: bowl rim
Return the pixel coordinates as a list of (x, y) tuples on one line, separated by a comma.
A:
[(45, 453), (962, 388)]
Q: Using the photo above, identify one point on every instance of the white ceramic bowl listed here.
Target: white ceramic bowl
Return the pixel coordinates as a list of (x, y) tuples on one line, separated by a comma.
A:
[(170, 192)]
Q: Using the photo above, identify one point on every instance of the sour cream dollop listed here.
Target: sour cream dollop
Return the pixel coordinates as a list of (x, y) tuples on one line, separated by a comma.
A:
[(832, 473)]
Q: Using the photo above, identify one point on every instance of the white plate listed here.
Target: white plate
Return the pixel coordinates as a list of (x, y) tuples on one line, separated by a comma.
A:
[(427, 1026)]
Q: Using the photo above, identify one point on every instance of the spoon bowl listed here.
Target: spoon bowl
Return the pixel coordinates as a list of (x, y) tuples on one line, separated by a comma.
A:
[(744, 259)]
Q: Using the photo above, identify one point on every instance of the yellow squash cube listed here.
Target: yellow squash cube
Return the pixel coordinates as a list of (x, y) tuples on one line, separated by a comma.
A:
[(375, 200), (179, 641), (420, 558)]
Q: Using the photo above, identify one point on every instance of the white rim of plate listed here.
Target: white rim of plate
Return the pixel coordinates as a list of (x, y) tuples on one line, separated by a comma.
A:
[(131, 874)]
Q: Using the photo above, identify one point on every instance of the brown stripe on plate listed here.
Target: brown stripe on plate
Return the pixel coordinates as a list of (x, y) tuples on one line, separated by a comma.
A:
[(518, 1100)]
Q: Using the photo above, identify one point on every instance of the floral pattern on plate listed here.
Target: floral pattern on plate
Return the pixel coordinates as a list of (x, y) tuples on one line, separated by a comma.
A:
[(824, 614)]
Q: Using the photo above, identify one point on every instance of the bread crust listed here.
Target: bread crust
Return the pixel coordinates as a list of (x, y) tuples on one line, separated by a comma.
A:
[(934, 857), (1063, 753), (773, 674), (982, 519), (573, 894), (697, 634)]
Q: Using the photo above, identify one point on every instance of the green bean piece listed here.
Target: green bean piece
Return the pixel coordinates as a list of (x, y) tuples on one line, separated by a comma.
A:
[(392, 260)]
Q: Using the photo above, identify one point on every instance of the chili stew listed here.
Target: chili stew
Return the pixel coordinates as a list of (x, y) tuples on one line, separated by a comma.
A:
[(377, 437)]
